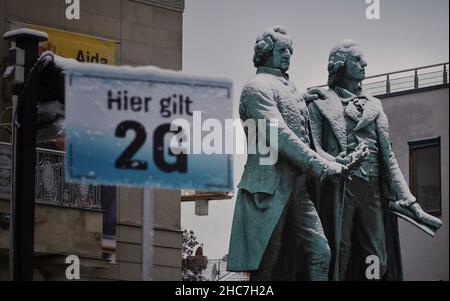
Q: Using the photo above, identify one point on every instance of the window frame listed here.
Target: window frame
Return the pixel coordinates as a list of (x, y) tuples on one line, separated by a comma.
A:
[(421, 144)]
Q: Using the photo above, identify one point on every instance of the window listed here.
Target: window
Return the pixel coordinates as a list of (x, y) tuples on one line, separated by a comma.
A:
[(425, 173)]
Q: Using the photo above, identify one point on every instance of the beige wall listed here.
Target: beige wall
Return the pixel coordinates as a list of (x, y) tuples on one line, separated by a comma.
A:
[(147, 34), (167, 237), (63, 231)]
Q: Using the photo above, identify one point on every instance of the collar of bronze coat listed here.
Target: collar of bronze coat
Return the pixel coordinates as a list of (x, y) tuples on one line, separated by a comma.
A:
[(333, 110), (273, 71)]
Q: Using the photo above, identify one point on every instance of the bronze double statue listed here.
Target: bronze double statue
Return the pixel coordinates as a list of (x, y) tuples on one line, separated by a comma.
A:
[(332, 198)]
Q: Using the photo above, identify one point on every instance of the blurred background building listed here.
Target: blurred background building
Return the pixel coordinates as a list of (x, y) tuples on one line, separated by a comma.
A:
[(216, 270), (101, 225)]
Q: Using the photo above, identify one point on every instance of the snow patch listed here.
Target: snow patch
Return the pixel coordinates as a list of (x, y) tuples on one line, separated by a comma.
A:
[(26, 31), (151, 71)]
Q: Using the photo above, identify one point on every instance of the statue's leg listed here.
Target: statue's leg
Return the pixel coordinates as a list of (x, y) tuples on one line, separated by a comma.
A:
[(370, 231), (271, 253), (345, 246), (310, 239)]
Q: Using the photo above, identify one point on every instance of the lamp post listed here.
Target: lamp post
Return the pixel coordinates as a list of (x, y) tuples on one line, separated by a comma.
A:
[(23, 54)]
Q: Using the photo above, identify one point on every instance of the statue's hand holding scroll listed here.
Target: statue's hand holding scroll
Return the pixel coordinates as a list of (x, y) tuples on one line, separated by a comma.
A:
[(412, 205)]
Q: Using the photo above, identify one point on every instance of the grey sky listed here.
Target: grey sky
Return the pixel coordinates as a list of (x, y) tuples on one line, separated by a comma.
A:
[(219, 36)]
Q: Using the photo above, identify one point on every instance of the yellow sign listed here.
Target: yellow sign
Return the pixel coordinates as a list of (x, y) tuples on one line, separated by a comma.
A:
[(83, 48)]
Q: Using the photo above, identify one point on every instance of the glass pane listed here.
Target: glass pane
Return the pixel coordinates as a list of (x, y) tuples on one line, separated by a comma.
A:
[(428, 188)]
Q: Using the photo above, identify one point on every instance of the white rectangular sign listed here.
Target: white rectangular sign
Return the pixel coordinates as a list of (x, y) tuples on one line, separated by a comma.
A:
[(118, 128)]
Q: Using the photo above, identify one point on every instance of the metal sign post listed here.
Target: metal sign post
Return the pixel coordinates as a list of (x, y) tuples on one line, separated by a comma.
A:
[(147, 235)]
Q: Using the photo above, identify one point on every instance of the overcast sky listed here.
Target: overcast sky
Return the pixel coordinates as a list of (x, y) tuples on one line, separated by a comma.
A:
[(219, 36)]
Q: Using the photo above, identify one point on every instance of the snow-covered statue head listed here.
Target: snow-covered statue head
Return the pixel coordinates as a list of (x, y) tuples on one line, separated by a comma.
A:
[(273, 49), (347, 61)]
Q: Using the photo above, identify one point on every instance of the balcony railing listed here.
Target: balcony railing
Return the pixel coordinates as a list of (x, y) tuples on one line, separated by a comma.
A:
[(409, 79), (51, 187), (405, 80)]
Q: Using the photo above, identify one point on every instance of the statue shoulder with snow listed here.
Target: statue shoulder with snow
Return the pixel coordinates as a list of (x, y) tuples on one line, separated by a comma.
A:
[(346, 118)]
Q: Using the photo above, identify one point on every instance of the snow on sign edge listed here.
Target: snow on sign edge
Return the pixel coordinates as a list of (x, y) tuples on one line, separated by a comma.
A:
[(73, 65)]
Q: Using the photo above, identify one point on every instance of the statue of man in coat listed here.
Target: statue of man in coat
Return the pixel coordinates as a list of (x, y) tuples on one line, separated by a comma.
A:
[(355, 216), (273, 198)]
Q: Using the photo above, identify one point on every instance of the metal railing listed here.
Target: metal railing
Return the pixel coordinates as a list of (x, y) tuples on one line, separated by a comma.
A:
[(408, 79), (51, 187)]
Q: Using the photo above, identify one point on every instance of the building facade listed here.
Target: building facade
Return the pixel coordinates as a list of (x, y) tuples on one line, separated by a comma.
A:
[(144, 32), (417, 106)]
